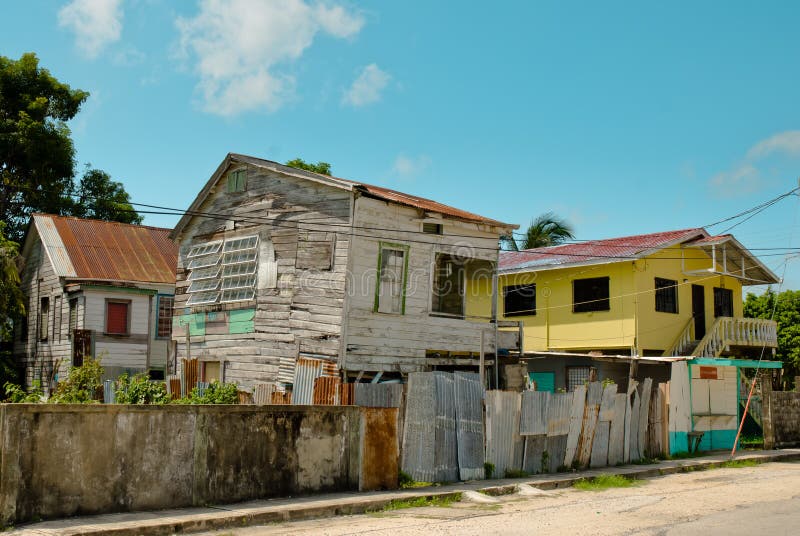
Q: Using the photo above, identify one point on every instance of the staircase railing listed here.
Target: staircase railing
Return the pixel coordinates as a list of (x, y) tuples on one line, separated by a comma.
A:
[(726, 332), (683, 342)]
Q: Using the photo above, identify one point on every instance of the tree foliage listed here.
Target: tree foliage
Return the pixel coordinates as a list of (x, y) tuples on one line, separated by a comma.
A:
[(37, 158), (787, 314), (101, 198), (545, 230), (215, 393), (320, 167), (12, 305)]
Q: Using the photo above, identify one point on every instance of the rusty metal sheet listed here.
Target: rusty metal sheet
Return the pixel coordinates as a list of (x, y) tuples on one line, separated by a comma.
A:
[(262, 393), (419, 430), (281, 397), (326, 390), (379, 460), (346, 396), (533, 417), (378, 395), (504, 446), (306, 371), (469, 425), (109, 250)]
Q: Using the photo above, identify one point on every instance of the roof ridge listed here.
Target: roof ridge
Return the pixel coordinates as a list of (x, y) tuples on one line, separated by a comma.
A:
[(78, 218)]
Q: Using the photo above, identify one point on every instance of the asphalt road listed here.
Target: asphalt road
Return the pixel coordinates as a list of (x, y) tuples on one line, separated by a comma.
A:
[(756, 501)]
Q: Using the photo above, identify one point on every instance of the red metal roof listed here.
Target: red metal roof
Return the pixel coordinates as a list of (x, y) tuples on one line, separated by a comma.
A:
[(610, 250), (114, 251)]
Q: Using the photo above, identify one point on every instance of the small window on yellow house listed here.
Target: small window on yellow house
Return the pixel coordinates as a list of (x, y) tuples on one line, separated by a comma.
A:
[(666, 295), (590, 294)]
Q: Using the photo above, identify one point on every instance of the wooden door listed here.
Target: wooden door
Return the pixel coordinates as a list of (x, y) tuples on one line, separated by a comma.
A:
[(81, 345), (699, 311)]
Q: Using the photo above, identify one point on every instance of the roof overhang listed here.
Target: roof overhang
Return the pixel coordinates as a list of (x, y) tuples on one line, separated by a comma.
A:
[(735, 261)]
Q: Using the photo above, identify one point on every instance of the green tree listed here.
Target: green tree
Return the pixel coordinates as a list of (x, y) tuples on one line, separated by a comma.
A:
[(320, 167), (12, 305), (787, 314), (101, 198), (545, 230), (37, 158)]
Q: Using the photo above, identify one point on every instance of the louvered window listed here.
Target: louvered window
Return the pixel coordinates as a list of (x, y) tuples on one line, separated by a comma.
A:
[(223, 271)]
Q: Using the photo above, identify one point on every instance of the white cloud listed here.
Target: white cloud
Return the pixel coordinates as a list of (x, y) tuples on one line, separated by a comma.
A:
[(95, 23), (787, 143), (747, 177), (366, 88), (238, 46), (407, 166)]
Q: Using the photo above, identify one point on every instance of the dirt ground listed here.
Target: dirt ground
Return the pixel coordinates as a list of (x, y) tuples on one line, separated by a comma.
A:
[(761, 500)]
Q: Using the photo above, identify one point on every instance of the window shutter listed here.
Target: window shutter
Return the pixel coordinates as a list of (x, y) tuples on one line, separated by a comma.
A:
[(117, 318)]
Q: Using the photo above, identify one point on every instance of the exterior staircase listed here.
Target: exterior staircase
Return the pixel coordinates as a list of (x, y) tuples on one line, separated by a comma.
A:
[(724, 333)]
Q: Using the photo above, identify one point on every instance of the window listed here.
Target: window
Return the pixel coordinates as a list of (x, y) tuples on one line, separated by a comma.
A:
[(73, 316), (519, 300), (448, 285), (237, 181), (223, 271), (390, 295), (723, 302), (590, 295), (117, 317), (577, 376), (57, 319), (432, 228), (44, 316), (666, 295), (165, 303)]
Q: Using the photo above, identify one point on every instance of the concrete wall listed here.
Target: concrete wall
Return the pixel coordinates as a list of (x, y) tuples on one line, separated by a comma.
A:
[(70, 460), (780, 417)]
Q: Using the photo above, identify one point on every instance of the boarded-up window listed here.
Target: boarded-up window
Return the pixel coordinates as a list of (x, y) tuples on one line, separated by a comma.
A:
[(73, 316), (57, 319), (590, 294), (392, 268), (117, 317), (165, 304), (44, 316), (448, 285), (237, 180), (519, 300), (666, 295), (723, 302), (315, 251)]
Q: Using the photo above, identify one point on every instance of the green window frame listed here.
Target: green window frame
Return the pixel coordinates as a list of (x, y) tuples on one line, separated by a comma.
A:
[(237, 181), (384, 276)]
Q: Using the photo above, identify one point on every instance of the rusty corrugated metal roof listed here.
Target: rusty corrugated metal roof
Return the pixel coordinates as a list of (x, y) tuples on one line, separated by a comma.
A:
[(109, 251)]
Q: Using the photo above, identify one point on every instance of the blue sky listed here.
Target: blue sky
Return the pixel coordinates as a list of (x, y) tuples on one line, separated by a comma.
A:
[(623, 117)]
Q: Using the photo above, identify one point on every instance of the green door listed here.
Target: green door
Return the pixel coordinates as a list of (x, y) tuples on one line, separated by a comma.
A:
[(545, 381)]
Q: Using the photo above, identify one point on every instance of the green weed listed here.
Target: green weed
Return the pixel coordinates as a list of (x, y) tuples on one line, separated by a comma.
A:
[(417, 502), (738, 464), (603, 482), (516, 473)]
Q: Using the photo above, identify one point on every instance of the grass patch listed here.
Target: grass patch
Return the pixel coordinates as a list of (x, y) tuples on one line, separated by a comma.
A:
[(603, 482), (406, 482), (738, 464), (685, 455), (418, 502)]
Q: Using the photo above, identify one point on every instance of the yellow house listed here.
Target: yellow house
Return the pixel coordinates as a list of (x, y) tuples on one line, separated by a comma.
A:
[(661, 294)]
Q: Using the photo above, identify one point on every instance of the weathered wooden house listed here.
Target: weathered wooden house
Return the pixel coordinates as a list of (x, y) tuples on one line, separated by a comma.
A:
[(277, 264), (94, 288)]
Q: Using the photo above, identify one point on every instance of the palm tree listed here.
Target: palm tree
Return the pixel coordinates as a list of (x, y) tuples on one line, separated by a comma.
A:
[(545, 230)]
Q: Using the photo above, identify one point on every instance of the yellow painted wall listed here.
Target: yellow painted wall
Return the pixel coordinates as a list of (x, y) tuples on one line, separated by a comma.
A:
[(632, 317)]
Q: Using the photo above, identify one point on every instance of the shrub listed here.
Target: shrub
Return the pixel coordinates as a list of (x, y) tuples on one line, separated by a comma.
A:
[(82, 386), (139, 390), (215, 393), (17, 395)]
